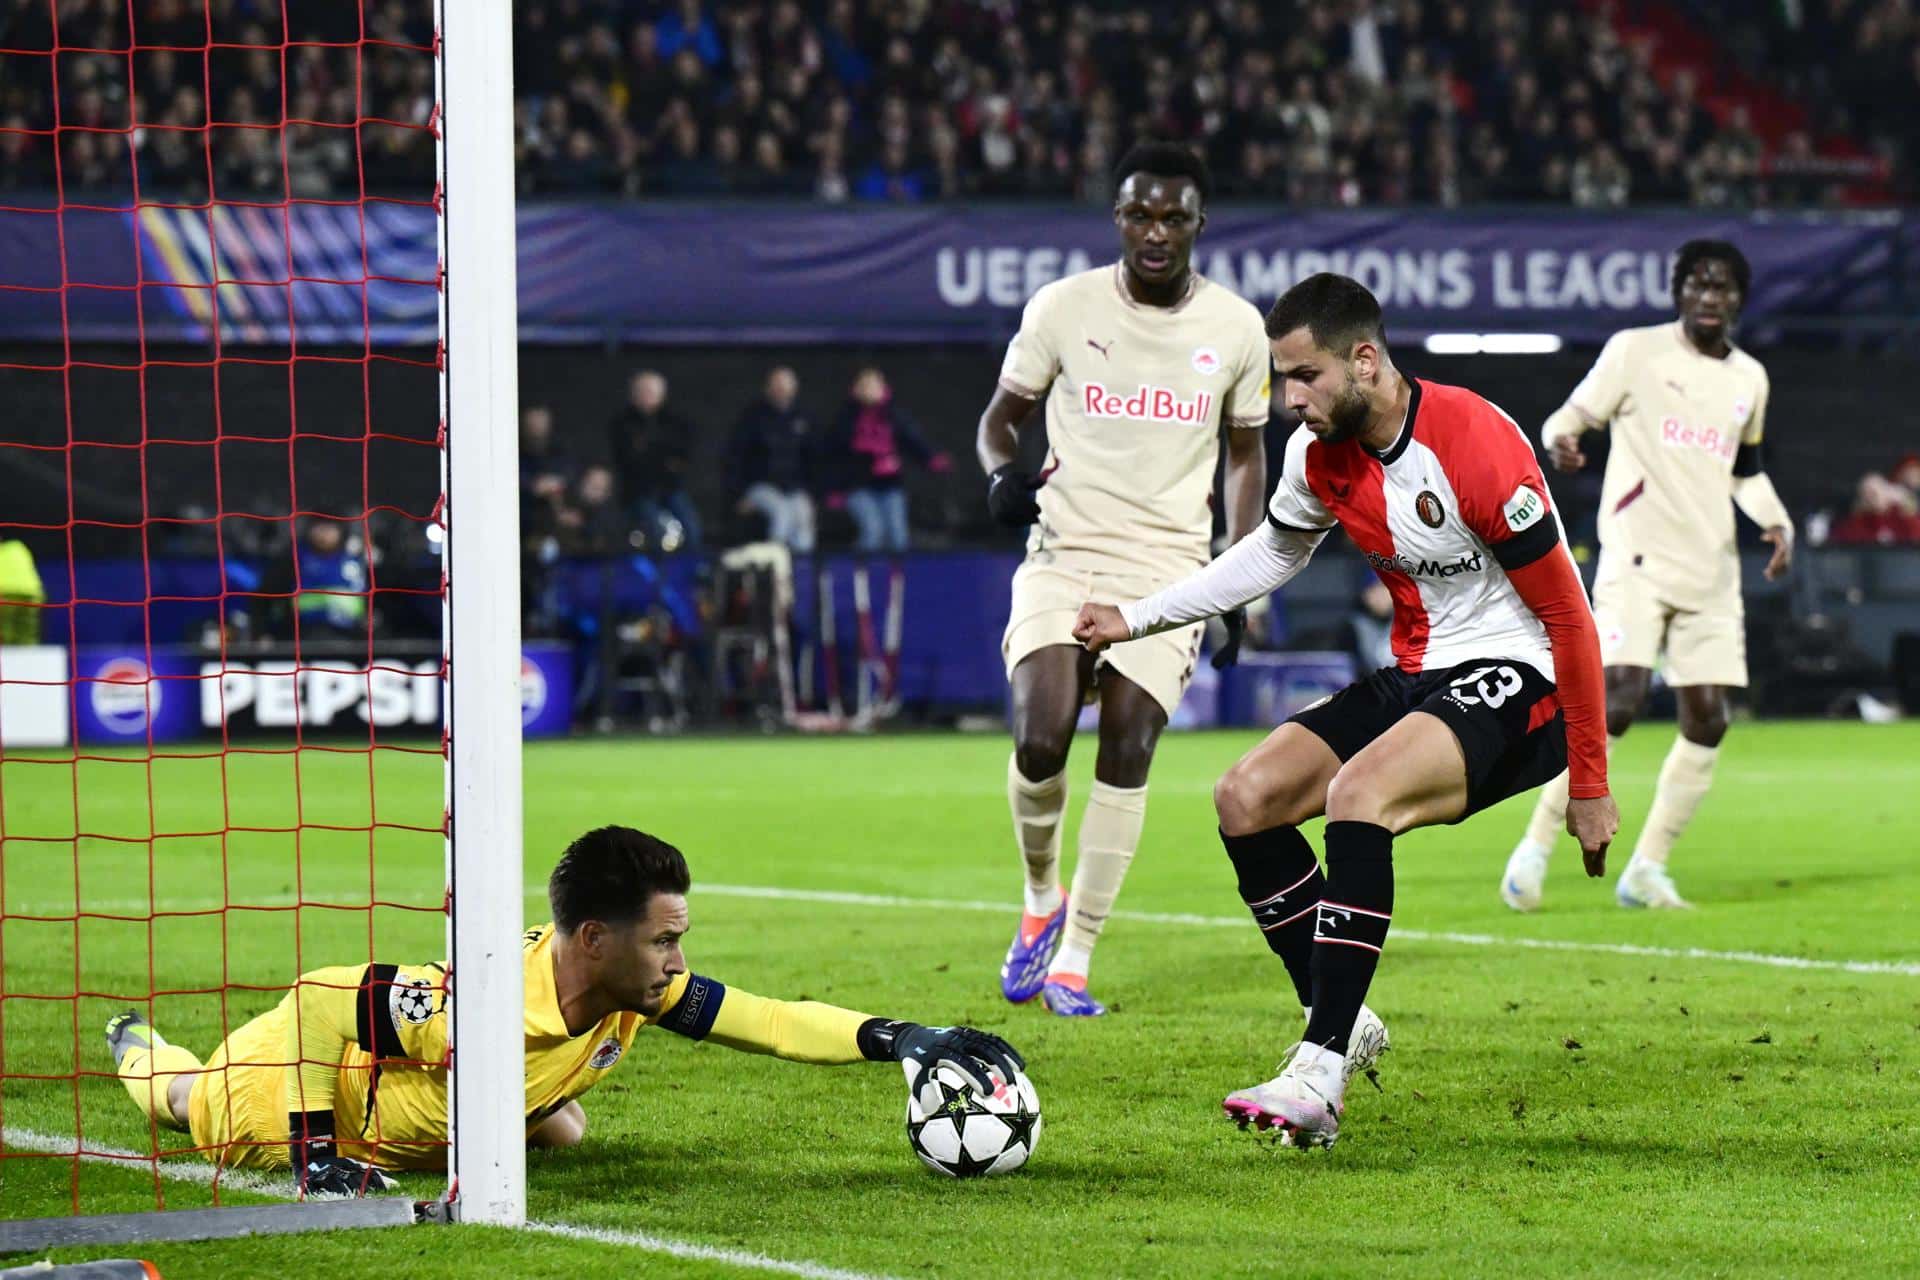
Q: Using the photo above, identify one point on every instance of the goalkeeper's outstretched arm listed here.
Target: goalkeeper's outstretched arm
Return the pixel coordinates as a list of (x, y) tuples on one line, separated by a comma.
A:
[(810, 1031)]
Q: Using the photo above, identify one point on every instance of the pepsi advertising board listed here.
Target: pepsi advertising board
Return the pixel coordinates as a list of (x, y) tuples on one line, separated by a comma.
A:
[(122, 696), (176, 694)]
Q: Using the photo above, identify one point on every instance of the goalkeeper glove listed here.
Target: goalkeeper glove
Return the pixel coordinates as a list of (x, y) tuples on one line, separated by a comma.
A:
[(1010, 497), (1229, 651), (974, 1055), (320, 1172)]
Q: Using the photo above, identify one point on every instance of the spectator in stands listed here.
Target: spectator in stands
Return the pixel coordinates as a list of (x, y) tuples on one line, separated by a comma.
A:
[(592, 520), (770, 463), (1884, 514), (1906, 474), (649, 444), (320, 591), (871, 443), (893, 176), (1005, 100), (547, 474)]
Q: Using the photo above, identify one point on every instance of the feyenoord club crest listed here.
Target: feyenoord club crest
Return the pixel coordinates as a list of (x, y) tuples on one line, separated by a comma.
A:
[(1428, 505)]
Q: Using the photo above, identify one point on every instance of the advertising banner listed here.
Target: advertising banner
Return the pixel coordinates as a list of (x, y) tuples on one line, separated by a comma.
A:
[(652, 271), (177, 694)]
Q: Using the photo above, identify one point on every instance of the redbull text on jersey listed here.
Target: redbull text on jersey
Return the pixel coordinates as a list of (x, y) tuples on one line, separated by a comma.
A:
[(1149, 404), (1682, 436)]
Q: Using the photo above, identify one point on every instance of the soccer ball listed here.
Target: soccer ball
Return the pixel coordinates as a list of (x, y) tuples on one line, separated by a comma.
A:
[(965, 1134)]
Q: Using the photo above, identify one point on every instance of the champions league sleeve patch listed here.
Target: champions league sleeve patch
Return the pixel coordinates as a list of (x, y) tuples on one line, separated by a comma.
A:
[(412, 1000), (387, 1002)]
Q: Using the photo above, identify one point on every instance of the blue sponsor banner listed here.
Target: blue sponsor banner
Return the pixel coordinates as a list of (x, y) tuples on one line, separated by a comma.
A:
[(747, 273), (176, 693), (128, 695), (546, 689)]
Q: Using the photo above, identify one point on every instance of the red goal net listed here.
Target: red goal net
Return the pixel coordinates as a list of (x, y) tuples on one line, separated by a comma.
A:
[(221, 570)]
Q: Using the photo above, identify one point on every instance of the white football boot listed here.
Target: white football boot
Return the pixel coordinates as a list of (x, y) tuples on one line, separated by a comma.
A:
[(1302, 1103), (1365, 1044), (1644, 884), (1526, 876), (1367, 1041)]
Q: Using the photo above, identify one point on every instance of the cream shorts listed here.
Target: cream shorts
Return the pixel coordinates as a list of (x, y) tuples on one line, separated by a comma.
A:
[(1637, 624), (1047, 598)]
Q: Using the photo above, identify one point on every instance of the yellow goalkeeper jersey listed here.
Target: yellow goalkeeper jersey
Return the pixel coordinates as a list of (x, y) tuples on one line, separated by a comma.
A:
[(386, 1027)]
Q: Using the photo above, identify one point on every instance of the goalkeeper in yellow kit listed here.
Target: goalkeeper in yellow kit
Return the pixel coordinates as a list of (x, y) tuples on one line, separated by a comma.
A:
[(348, 1074)]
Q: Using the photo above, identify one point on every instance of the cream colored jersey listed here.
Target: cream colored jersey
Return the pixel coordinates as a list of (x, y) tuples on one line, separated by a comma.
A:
[(1678, 418), (1135, 398)]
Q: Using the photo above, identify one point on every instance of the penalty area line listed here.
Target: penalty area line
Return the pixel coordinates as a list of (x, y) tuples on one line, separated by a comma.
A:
[(1905, 969)]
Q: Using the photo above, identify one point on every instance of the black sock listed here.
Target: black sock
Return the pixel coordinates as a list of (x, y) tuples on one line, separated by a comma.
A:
[(1280, 882), (1355, 910)]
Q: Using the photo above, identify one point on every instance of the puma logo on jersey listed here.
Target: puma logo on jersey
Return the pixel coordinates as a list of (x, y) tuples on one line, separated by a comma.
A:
[(1105, 350)]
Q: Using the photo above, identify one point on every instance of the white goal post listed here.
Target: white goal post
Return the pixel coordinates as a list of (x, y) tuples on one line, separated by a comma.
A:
[(480, 399)]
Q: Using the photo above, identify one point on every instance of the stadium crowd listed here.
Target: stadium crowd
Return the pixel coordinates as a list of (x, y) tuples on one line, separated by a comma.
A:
[(1386, 102)]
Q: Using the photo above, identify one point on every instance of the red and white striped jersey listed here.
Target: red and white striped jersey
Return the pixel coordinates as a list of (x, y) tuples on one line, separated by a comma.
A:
[(1441, 516)]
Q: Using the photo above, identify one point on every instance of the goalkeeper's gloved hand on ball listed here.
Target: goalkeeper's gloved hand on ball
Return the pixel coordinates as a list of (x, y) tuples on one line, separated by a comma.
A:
[(974, 1055), (1229, 651), (320, 1172), (1010, 496)]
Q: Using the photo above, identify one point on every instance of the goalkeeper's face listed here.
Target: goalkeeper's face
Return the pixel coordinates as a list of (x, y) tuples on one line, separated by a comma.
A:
[(639, 962)]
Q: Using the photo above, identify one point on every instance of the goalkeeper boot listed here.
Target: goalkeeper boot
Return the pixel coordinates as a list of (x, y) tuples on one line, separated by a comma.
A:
[(1034, 943), (1302, 1104), (1526, 877), (129, 1031), (1647, 884), (1065, 994)]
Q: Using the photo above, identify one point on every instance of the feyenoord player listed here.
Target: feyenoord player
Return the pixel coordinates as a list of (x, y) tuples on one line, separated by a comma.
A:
[(1495, 690), (347, 1075), (1140, 363), (1687, 409)]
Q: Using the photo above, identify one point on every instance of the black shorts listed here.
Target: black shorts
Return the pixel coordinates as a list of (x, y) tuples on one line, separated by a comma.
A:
[(1505, 714)]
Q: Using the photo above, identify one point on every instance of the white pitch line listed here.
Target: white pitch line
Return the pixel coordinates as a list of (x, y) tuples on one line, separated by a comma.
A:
[(1906, 969), (201, 1173), (192, 1170), (701, 1252), (1897, 968)]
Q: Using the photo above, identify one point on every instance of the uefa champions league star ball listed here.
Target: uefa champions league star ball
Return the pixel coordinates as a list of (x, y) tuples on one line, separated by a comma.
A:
[(965, 1134)]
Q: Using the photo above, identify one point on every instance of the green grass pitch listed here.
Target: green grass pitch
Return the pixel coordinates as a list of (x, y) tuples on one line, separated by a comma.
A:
[(1554, 1111)]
